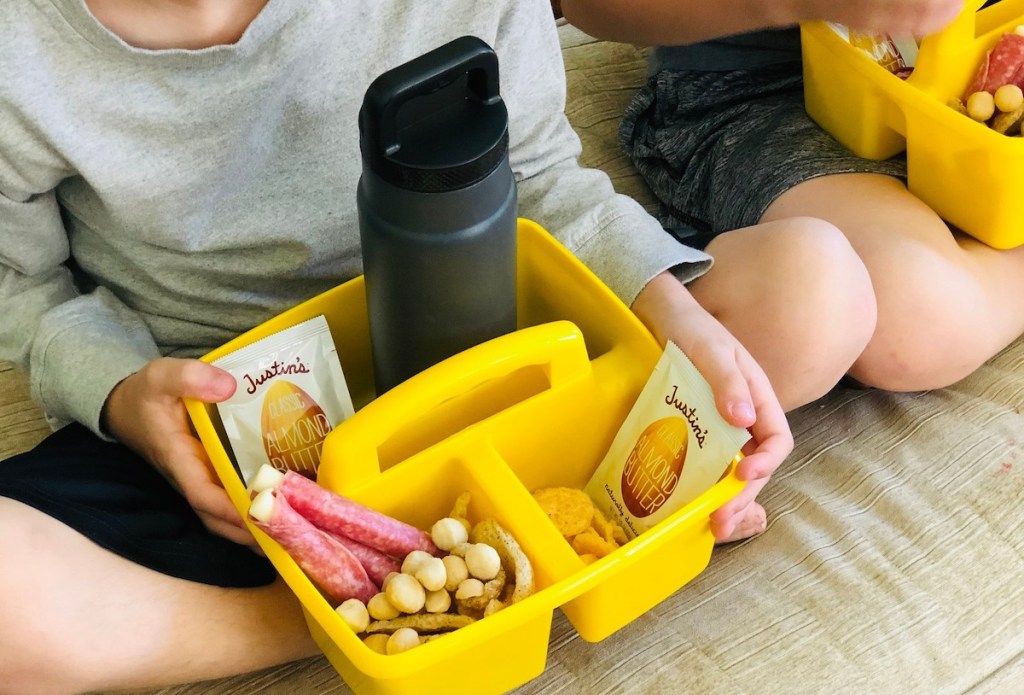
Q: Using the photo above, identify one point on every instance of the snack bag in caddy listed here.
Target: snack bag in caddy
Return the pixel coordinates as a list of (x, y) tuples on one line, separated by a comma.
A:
[(291, 393), (672, 447)]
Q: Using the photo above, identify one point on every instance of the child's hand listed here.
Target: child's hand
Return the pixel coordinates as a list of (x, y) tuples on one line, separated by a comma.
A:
[(672, 22), (145, 412), (743, 394), (908, 18)]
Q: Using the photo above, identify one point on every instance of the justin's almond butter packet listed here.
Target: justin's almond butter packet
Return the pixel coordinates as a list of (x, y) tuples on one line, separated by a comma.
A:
[(291, 393), (672, 447)]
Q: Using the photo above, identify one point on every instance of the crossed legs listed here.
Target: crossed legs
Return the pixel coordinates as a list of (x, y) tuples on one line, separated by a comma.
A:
[(852, 274), (76, 617)]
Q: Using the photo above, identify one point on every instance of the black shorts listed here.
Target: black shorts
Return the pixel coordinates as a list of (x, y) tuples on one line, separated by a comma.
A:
[(119, 501), (717, 148)]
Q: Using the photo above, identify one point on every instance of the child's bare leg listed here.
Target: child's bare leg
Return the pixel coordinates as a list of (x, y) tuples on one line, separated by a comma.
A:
[(946, 304), (799, 299), (74, 617)]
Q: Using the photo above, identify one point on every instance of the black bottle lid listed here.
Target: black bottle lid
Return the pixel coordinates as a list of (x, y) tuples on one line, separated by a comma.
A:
[(436, 123)]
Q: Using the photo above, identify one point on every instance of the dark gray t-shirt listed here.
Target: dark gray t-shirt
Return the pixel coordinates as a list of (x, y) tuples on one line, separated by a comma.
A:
[(739, 52)]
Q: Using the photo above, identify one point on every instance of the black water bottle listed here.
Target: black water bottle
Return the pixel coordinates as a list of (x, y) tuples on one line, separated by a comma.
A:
[(437, 209)]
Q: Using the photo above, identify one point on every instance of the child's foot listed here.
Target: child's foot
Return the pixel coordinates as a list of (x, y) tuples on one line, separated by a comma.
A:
[(750, 522)]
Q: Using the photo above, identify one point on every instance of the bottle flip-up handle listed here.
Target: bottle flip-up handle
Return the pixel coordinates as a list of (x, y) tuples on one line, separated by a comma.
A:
[(350, 454), (422, 76)]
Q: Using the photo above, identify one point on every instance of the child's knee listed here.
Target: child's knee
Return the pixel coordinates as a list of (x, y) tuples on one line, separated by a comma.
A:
[(933, 328), (831, 300), (800, 299), (834, 311)]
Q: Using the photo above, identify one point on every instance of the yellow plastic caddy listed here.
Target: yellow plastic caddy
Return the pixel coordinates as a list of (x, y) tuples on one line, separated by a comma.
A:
[(536, 408), (969, 174)]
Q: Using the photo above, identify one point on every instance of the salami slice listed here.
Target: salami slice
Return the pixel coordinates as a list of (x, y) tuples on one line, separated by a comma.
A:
[(1003, 64), (327, 562), (339, 515), (377, 564)]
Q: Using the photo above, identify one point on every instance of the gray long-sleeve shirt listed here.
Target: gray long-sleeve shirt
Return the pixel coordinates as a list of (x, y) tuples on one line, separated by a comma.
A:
[(161, 202)]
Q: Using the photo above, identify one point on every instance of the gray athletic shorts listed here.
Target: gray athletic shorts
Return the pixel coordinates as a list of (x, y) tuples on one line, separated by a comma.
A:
[(717, 148)]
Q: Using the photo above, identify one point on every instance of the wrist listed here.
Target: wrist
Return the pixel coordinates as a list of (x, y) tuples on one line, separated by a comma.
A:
[(112, 406), (663, 303)]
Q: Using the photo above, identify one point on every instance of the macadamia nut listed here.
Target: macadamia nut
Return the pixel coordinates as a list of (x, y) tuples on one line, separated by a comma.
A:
[(980, 106), (406, 593), (403, 639), (438, 601), (456, 570), (378, 642), (1008, 98), (380, 608), (354, 613), (448, 533), (414, 560), (483, 561), (460, 549), (470, 588), (432, 574)]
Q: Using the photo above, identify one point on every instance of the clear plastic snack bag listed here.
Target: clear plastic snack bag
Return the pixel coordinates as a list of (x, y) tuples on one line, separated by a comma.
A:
[(291, 393), (672, 447), (897, 54)]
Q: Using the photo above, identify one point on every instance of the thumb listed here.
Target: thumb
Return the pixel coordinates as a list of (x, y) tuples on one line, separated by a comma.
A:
[(193, 379), (731, 391)]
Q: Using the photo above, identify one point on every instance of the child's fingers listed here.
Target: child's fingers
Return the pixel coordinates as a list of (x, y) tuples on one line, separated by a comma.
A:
[(187, 463), (772, 439), (762, 464), (227, 530), (210, 501), (771, 443), (720, 369), (181, 378), (148, 416), (670, 311), (183, 461)]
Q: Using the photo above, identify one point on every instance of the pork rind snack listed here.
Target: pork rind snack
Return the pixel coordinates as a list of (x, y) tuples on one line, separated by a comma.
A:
[(672, 447), (291, 393)]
